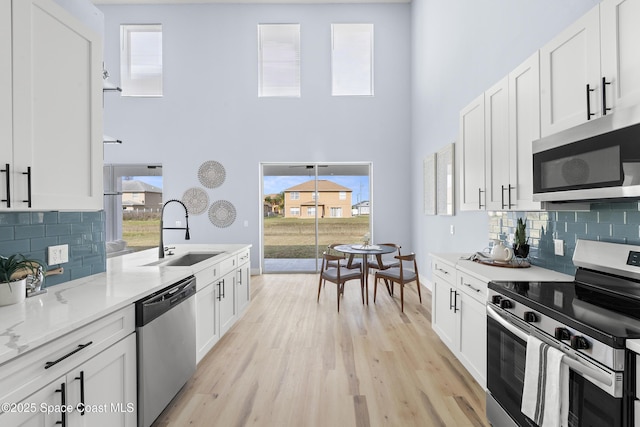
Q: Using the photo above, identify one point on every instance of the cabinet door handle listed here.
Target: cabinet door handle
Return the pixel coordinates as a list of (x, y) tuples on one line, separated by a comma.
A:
[(480, 191), (28, 173), (63, 392), (510, 205), (240, 274), (502, 196), (444, 271), (455, 301), (604, 96), (81, 378), (223, 289), (450, 299), (8, 183), (219, 291), (589, 113), (47, 365)]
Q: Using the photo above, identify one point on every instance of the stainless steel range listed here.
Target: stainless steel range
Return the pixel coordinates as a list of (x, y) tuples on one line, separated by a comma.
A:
[(589, 320)]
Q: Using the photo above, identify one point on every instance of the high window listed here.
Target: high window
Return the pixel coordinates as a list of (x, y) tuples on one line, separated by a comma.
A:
[(141, 59), (279, 60), (352, 59), (295, 195)]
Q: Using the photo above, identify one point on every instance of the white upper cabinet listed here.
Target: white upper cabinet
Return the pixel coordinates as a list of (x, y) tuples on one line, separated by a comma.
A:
[(472, 194), (496, 140), (570, 75), (55, 151), (524, 128), (6, 115), (620, 38)]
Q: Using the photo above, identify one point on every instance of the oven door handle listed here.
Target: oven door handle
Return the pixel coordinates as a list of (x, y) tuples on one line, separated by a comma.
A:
[(575, 364)]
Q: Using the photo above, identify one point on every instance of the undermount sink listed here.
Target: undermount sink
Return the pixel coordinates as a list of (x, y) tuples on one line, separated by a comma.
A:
[(185, 260)]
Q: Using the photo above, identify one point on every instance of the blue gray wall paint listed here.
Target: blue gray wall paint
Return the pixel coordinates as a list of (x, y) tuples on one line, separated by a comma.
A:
[(31, 233), (609, 222)]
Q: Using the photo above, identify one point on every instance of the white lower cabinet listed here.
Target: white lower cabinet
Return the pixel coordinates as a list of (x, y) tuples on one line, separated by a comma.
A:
[(223, 293), (459, 317), (85, 378)]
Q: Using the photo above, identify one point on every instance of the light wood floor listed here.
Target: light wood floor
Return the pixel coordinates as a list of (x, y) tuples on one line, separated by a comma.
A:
[(290, 361)]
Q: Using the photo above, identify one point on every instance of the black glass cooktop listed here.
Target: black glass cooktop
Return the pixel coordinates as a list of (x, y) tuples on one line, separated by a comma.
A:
[(607, 316)]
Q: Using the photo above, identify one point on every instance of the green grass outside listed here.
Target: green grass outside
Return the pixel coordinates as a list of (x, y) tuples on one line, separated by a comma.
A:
[(283, 237)]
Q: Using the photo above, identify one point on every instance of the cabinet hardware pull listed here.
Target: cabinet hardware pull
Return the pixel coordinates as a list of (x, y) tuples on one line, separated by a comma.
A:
[(81, 378), (47, 365), (502, 196), (455, 301), (589, 113), (472, 287), (219, 291), (8, 183), (444, 271), (223, 289), (510, 205), (450, 303), (480, 191), (28, 173), (63, 391), (604, 96)]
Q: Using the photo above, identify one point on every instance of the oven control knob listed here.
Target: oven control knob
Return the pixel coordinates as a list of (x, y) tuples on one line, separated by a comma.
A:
[(579, 343), (530, 317), (505, 303), (495, 299), (562, 334)]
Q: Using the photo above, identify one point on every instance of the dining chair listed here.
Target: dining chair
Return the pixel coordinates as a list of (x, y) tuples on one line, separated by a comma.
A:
[(338, 275), (383, 262), (400, 275)]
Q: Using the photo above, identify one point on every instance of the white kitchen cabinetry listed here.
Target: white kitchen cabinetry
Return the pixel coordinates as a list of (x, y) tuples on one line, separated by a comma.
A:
[(570, 74), (459, 316), (243, 282), (443, 302), (94, 366), (472, 326), (591, 69), (472, 166), (620, 63), (497, 146), (524, 128), (54, 148), (223, 293)]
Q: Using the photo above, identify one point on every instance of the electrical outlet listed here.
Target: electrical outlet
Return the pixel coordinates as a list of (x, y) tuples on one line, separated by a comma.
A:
[(452, 229), (58, 254), (558, 247)]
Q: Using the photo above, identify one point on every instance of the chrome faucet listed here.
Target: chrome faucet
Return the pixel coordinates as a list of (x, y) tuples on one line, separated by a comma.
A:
[(186, 217)]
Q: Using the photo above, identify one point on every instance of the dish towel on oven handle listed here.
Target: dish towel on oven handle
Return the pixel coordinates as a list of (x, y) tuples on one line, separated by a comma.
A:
[(545, 395)]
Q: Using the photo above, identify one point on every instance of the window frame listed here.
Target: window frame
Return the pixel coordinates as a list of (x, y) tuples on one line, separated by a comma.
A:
[(267, 89), (336, 66), (135, 87)]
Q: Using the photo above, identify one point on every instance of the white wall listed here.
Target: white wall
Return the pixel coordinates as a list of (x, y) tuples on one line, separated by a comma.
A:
[(459, 49), (210, 109)]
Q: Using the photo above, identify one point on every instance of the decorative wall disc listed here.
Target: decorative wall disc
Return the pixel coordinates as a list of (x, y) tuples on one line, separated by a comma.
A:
[(222, 213), (196, 200), (211, 174)]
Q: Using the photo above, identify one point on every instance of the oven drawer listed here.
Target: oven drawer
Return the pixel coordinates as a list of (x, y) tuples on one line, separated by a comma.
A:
[(472, 286)]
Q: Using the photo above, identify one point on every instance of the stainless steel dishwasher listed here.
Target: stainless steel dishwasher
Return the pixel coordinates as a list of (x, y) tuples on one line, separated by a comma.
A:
[(165, 326)]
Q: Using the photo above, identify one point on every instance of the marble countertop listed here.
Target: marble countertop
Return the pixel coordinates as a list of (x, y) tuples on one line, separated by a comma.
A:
[(73, 304), (489, 273)]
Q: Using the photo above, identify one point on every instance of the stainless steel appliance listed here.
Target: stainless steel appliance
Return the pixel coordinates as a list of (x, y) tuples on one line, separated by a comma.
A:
[(589, 320), (165, 326), (597, 160)]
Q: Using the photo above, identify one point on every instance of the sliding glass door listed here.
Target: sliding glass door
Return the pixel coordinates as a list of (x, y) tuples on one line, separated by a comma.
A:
[(307, 206)]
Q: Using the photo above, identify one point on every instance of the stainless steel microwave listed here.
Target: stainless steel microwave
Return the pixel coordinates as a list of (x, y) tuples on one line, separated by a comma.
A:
[(597, 160)]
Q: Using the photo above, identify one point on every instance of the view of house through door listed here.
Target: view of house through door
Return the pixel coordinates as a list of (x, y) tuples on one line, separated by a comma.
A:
[(308, 206), (132, 204)]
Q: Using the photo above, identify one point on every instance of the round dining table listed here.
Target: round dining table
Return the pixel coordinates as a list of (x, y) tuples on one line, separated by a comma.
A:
[(365, 251)]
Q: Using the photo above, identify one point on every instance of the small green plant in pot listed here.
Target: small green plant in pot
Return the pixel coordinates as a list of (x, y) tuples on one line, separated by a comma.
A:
[(13, 277), (521, 244)]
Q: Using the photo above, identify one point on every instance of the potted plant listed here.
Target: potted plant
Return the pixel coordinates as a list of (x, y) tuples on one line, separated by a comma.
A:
[(521, 244), (13, 277)]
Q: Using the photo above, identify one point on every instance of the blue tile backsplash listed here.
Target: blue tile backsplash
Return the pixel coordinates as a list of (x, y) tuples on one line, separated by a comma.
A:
[(31, 233), (609, 222)]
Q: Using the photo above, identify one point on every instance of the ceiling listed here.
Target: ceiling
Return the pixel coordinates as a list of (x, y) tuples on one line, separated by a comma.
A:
[(243, 1)]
